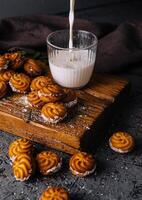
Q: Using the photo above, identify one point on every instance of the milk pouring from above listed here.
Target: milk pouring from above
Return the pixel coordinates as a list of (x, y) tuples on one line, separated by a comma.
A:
[(72, 54)]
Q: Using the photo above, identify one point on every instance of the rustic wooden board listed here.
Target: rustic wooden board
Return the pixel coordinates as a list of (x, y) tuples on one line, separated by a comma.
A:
[(84, 124)]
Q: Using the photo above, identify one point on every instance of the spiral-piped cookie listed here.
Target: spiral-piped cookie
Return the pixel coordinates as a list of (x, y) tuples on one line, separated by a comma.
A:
[(23, 167), (3, 63), (51, 93), (55, 193), (33, 67), (82, 164), (70, 98), (3, 89), (5, 75), (40, 82), (19, 147), (20, 83), (121, 142), (53, 112), (34, 100), (16, 59), (48, 162)]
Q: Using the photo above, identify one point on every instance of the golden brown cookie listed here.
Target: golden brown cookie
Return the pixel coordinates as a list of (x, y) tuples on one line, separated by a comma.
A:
[(82, 164), (33, 67), (51, 93), (3, 89), (23, 167), (20, 83), (5, 75), (40, 82), (4, 63), (55, 193), (70, 98), (16, 59), (121, 142), (18, 147), (34, 100), (48, 162), (53, 112)]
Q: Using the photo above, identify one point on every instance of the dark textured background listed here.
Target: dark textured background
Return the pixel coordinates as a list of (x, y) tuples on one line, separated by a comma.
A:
[(118, 177)]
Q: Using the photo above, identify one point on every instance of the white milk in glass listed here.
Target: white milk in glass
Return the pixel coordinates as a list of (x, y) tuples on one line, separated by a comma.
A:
[(71, 68)]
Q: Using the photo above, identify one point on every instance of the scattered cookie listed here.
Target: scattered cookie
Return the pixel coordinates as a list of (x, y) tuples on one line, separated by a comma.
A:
[(34, 100), (23, 167), (16, 59), (20, 83), (4, 63), (33, 67), (19, 147), (53, 112), (52, 193), (51, 93), (3, 89), (82, 164), (5, 75), (40, 82), (48, 162), (70, 98), (121, 142)]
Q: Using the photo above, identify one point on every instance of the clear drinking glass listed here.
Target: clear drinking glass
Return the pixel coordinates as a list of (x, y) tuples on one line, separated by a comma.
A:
[(72, 68)]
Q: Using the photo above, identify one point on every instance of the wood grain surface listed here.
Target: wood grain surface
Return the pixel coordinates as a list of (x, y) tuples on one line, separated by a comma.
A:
[(84, 124)]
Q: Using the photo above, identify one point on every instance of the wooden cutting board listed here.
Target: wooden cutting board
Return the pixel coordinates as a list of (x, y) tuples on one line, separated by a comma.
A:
[(84, 125)]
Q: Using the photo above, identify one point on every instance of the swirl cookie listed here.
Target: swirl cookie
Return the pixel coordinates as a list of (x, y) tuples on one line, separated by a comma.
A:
[(53, 193), (121, 142), (3, 63), (33, 67), (23, 167), (20, 83), (82, 164), (40, 82), (19, 147), (16, 59), (5, 75), (48, 162), (3, 89), (51, 93), (70, 98), (53, 112), (34, 100)]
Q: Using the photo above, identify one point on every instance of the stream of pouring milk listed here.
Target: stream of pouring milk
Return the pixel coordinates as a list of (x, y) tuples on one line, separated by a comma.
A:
[(71, 68)]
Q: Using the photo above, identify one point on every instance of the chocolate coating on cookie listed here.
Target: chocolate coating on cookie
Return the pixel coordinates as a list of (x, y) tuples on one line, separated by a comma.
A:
[(16, 60), (4, 63), (70, 98), (33, 67)]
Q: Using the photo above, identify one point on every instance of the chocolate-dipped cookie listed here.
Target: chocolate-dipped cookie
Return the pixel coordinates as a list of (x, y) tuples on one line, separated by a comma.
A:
[(48, 162), (121, 142), (4, 63), (19, 83), (19, 147), (40, 82), (82, 164), (23, 167), (34, 100), (55, 193), (51, 93), (16, 59), (53, 112), (33, 67), (5, 75), (70, 98)]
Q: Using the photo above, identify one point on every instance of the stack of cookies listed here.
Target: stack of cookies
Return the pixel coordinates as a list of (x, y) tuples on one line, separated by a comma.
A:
[(25, 76)]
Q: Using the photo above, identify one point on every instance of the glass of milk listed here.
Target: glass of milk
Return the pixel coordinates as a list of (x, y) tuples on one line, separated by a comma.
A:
[(72, 67)]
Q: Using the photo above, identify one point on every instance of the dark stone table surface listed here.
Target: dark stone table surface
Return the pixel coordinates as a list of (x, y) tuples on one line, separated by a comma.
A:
[(118, 177)]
